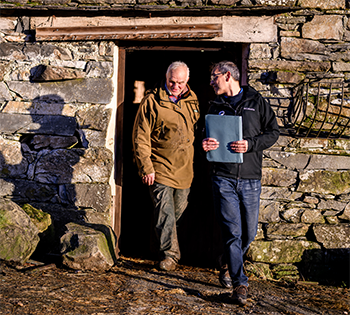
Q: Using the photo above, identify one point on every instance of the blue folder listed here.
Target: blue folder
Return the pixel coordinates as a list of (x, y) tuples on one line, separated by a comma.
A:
[(225, 129)]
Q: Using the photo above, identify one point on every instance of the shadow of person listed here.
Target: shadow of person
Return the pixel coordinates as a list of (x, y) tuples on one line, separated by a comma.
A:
[(39, 146)]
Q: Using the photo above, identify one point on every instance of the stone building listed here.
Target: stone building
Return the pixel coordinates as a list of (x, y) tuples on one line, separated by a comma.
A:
[(73, 72)]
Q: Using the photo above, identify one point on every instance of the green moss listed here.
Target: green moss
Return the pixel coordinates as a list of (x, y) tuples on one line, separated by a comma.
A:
[(80, 250), (41, 219), (34, 213), (3, 219)]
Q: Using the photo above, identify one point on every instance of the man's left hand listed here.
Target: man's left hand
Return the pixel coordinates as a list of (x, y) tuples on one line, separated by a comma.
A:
[(240, 146)]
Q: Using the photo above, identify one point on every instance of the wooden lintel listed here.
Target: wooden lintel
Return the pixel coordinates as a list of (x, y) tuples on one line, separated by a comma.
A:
[(140, 32)]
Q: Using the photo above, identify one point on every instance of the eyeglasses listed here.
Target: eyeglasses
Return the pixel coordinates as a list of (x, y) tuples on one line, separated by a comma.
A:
[(213, 77)]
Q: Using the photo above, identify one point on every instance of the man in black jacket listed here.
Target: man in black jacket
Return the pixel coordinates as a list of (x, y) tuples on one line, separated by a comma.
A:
[(237, 186)]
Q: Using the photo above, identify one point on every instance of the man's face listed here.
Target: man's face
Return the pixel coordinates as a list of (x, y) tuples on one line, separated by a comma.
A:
[(218, 82), (176, 80)]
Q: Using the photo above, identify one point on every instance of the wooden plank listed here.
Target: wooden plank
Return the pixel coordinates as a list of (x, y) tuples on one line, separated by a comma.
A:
[(139, 32), (118, 173)]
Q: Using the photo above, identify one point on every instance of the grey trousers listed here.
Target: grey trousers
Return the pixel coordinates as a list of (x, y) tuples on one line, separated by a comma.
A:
[(169, 205)]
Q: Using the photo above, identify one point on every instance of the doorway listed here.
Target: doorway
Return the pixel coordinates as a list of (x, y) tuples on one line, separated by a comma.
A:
[(198, 233)]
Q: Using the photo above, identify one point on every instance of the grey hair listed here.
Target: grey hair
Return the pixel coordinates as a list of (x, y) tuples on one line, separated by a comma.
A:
[(178, 64), (225, 66)]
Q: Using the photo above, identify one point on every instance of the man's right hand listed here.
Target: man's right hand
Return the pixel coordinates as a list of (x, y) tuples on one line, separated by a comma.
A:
[(148, 179), (209, 144)]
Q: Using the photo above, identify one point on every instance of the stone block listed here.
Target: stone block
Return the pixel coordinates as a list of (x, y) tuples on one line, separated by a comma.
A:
[(289, 230), (18, 234), (7, 23), (260, 51), (312, 216), (44, 73), (286, 65), (292, 215), (321, 4), (340, 66), (278, 193), (327, 162), (51, 52), (39, 107), (333, 236), (269, 211), (74, 166), (90, 90), (291, 47), (276, 2), (324, 27), (94, 118), (12, 51), (331, 205), (23, 191), (279, 251), (37, 124), (290, 160), (286, 272), (325, 182), (5, 94), (12, 162), (346, 213), (88, 247), (278, 177), (99, 69), (53, 142), (96, 196)]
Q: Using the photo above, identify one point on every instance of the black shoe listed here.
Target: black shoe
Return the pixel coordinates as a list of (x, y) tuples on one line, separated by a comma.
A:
[(239, 295), (224, 278)]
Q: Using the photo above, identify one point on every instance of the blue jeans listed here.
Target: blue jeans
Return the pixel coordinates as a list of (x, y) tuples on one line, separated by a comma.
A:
[(169, 205), (236, 203)]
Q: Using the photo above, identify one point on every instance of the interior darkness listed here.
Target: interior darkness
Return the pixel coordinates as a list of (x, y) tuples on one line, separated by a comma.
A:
[(198, 232)]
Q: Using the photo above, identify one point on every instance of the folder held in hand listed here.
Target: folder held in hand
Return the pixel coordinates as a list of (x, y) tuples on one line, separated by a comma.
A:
[(225, 129)]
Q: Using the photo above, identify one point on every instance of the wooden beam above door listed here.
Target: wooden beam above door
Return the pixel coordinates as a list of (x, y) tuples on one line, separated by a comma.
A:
[(135, 32)]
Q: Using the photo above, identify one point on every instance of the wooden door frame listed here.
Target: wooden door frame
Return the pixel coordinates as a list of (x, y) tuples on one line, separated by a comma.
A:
[(118, 148), (118, 163)]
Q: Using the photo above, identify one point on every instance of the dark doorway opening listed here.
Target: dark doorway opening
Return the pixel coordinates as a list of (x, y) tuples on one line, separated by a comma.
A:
[(198, 233)]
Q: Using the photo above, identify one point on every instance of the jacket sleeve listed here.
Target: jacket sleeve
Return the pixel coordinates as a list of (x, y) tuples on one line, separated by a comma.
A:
[(269, 128), (141, 137)]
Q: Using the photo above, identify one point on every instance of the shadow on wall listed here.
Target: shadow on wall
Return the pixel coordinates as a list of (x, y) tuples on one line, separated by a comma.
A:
[(327, 266), (41, 167)]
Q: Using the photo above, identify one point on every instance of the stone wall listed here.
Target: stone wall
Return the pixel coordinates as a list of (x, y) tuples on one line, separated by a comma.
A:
[(305, 207), (305, 211), (53, 124)]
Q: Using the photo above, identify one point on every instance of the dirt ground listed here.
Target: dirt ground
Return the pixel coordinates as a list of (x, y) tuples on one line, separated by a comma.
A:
[(136, 286)]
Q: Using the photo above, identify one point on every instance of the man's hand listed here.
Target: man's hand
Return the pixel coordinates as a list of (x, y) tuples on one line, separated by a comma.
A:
[(148, 179), (209, 144), (240, 146)]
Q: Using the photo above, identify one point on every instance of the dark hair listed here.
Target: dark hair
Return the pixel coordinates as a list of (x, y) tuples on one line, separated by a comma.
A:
[(225, 66)]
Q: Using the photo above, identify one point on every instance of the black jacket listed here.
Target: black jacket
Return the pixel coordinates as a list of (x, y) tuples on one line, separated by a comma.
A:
[(260, 129)]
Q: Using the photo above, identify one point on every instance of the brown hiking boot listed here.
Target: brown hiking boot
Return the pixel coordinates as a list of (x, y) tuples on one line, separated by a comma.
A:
[(239, 295), (168, 264)]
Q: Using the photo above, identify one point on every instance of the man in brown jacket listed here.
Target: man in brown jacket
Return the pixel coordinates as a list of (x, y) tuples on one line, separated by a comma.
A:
[(163, 138)]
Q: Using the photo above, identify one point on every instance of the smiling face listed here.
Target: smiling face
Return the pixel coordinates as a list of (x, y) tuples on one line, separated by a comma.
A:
[(176, 80)]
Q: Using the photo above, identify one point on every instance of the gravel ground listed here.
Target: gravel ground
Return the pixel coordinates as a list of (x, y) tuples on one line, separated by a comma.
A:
[(136, 286)]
